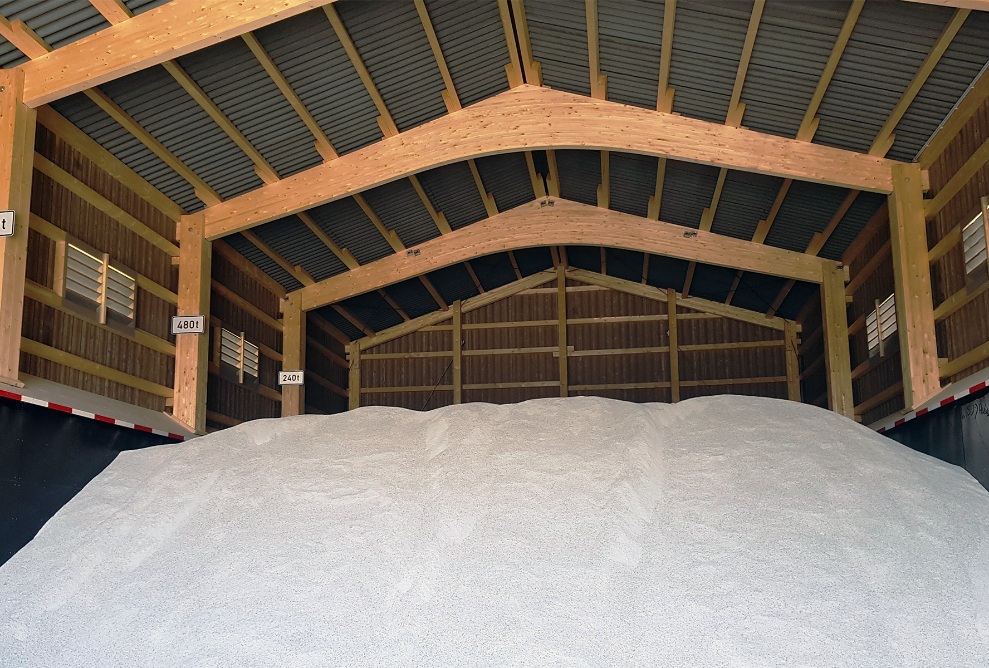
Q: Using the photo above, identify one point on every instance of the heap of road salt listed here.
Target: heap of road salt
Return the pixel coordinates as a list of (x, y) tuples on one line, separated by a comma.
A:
[(723, 531)]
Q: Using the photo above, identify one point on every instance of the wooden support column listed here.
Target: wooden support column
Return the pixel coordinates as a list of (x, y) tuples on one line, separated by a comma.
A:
[(293, 354), (192, 350), (458, 379), (792, 361), (671, 307), (17, 126), (912, 279), (837, 360), (354, 384), (561, 312)]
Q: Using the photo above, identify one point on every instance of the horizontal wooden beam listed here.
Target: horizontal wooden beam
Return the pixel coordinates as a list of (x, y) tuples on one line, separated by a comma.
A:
[(154, 37), (534, 118), (550, 222)]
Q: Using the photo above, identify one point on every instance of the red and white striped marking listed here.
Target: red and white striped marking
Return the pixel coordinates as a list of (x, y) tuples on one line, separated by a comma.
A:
[(892, 423), (86, 414)]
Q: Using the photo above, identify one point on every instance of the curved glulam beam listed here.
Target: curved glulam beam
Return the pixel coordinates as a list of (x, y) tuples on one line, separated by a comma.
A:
[(552, 221), (151, 38), (534, 118)]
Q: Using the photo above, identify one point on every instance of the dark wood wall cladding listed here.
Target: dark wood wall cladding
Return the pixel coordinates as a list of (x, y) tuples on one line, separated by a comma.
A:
[(963, 327), (877, 381), (229, 403), (326, 371), (813, 377), (73, 345), (618, 347)]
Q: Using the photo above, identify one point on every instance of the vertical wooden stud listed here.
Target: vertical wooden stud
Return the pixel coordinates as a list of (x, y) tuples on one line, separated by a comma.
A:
[(17, 127), (834, 317), (671, 307), (192, 350), (354, 384), (912, 280), (293, 354), (792, 361), (458, 380), (561, 312)]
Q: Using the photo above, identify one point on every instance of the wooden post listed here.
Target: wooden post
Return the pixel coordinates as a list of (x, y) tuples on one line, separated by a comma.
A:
[(792, 361), (458, 380), (561, 312), (912, 280), (17, 126), (671, 308), (293, 354), (354, 385), (192, 350), (838, 363)]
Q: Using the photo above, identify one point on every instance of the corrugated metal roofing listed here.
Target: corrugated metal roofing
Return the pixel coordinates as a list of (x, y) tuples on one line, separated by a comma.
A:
[(533, 260), (399, 208), (558, 33), (92, 120), (154, 99), (506, 177), (413, 297), (234, 79), (859, 214), (584, 257), (666, 272), (10, 56), (807, 208), (329, 314), (291, 239), (477, 57), (348, 226), (372, 309), (711, 282), (453, 193), (309, 55), (265, 263), (57, 22), (881, 58), (630, 37), (797, 299), (580, 175), (707, 42), (746, 199), (757, 291), (141, 6), (687, 190), (494, 270), (632, 182), (402, 66), (791, 49), (958, 67), (625, 264), (453, 283)]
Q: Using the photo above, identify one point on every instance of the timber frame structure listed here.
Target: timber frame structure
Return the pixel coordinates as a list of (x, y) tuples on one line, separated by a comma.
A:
[(467, 172)]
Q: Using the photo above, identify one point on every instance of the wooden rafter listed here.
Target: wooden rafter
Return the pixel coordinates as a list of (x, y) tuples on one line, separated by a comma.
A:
[(513, 68), (28, 42), (736, 108), (532, 69), (352, 319), (599, 82), (664, 97), (450, 97), (385, 121), (181, 27), (980, 5), (113, 11), (297, 272), (531, 118), (323, 144), (562, 222), (707, 220)]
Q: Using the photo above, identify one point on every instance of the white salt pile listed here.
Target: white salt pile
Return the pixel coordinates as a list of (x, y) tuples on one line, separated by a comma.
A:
[(725, 531)]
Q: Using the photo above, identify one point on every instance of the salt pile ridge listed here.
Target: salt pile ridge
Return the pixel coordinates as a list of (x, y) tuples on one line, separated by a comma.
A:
[(724, 531)]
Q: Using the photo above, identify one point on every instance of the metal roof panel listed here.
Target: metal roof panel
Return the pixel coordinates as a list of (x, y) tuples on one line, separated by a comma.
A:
[(632, 183), (348, 226), (630, 36), (506, 177), (687, 190), (262, 261), (452, 191), (558, 33), (580, 175), (745, 200), (291, 239), (399, 208)]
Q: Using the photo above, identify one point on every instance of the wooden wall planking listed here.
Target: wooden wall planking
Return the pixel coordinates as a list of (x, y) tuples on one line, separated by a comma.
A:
[(74, 334), (535, 374)]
